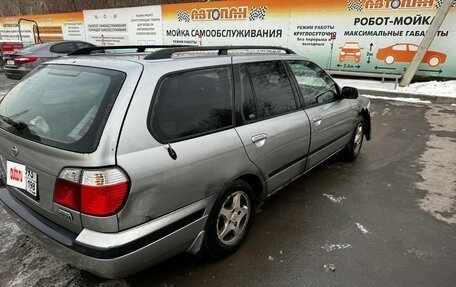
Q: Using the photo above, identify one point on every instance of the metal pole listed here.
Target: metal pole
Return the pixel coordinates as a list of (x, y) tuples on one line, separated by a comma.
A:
[(426, 42)]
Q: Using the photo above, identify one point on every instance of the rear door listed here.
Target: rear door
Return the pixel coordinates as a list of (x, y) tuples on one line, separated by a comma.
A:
[(275, 130), (182, 147), (331, 118)]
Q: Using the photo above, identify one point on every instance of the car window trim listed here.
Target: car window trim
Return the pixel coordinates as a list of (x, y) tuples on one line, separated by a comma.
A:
[(153, 104), (244, 119), (298, 99)]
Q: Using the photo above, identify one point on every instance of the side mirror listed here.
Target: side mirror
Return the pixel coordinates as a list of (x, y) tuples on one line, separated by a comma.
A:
[(349, 93)]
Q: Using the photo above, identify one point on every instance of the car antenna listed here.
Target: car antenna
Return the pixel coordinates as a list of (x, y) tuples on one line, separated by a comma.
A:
[(171, 152)]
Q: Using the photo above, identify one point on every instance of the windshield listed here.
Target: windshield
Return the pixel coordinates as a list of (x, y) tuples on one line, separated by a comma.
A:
[(62, 106), (31, 48), (351, 46)]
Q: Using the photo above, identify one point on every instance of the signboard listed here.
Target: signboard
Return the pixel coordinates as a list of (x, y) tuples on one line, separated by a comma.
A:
[(226, 23), (352, 35), (355, 35), (125, 26), (372, 36), (52, 27)]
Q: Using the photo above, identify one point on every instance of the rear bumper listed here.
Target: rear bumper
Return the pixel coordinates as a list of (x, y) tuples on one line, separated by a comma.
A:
[(15, 73), (112, 255)]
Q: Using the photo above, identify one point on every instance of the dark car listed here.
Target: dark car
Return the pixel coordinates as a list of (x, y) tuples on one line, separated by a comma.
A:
[(19, 64)]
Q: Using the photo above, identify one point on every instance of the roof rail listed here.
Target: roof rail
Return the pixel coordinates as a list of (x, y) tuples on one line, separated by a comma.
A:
[(139, 48), (222, 50)]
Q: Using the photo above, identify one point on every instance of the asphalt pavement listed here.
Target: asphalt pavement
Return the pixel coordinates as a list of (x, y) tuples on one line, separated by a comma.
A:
[(387, 219)]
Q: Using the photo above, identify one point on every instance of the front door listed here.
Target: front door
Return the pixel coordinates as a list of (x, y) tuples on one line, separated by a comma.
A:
[(331, 118)]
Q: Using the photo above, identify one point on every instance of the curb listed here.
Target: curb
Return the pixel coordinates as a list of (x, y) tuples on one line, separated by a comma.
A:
[(433, 99)]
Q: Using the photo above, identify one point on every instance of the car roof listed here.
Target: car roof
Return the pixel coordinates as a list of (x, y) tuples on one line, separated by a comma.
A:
[(116, 61), (126, 61), (106, 62)]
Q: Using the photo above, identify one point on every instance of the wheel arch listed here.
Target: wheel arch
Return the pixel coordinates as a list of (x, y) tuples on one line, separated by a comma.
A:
[(257, 186)]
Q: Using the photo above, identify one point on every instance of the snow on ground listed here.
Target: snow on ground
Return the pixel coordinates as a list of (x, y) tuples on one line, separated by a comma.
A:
[(369, 84), (438, 164), (399, 99), (24, 263), (432, 88)]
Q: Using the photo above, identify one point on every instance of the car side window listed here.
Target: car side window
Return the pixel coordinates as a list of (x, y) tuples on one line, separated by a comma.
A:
[(80, 45), (192, 103), (400, 48), (315, 85), (272, 87), (63, 48), (413, 48)]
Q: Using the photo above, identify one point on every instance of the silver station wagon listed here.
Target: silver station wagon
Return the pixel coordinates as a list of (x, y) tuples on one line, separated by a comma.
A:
[(116, 162)]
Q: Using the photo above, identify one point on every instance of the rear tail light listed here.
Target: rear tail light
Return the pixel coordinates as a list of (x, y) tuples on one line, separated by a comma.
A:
[(100, 192), (23, 60), (67, 188)]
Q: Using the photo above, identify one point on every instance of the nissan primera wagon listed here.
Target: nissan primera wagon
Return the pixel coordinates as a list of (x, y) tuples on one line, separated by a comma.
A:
[(117, 163)]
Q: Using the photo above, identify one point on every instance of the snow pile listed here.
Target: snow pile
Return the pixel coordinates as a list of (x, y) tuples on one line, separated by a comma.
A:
[(399, 99), (334, 199), (434, 88), (9, 232), (331, 247), (23, 263)]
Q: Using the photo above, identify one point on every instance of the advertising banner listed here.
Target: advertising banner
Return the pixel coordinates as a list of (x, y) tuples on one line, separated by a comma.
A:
[(356, 35), (124, 26), (380, 36), (52, 27), (372, 36), (226, 23)]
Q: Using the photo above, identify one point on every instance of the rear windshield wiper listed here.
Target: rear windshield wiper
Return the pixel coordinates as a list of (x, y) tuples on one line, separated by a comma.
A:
[(17, 125)]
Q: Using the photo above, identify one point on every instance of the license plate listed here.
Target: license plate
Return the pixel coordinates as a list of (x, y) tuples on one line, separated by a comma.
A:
[(10, 62), (18, 175)]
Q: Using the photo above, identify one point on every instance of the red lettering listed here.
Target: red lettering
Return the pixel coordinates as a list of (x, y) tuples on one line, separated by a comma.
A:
[(15, 174)]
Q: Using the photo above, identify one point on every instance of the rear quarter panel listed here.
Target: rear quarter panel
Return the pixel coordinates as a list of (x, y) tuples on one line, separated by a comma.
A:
[(204, 166)]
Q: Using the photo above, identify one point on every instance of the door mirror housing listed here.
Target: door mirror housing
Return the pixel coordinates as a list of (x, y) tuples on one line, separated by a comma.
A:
[(349, 93)]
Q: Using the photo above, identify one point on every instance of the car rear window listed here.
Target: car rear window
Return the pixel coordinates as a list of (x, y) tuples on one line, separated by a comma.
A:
[(62, 106), (63, 48), (32, 48)]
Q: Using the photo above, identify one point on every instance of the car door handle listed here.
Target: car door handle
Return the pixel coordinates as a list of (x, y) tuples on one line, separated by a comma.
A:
[(259, 140), (317, 120)]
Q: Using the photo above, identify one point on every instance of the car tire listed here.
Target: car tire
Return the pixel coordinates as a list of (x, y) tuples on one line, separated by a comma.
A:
[(353, 148), (389, 59), (229, 221), (434, 62)]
